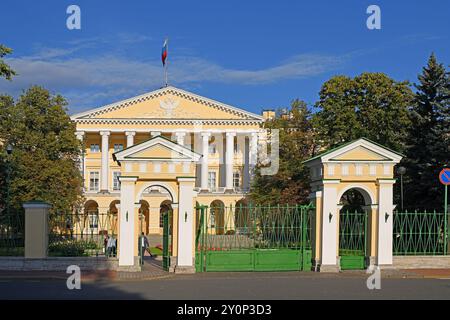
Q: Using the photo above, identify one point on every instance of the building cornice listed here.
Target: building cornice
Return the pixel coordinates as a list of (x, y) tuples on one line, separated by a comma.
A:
[(143, 121)]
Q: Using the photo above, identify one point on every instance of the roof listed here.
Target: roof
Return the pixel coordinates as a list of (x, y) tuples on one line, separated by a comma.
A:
[(320, 155), (169, 89)]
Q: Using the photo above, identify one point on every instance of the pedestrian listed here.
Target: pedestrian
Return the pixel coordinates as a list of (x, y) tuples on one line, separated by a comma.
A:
[(109, 246), (145, 245)]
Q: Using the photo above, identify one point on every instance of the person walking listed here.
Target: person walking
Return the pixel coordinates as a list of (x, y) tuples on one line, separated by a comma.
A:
[(145, 245)]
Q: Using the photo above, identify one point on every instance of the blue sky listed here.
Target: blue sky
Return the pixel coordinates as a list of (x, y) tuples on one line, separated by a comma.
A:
[(250, 54)]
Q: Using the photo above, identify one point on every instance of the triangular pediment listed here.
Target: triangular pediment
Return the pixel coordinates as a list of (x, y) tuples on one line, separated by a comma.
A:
[(360, 150), (156, 149), (168, 103), (360, 153)]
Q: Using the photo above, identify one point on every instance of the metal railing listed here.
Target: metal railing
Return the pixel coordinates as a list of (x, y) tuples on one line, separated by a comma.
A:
[(420, 233), (82, 234), (12, 234), (248, 227)]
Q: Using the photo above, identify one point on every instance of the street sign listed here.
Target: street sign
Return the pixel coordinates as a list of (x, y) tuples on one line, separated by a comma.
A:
[(444, 176)]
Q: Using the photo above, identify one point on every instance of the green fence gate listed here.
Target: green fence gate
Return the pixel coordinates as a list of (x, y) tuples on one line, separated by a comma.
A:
[(167, 239), (352, 240), (253, 238)]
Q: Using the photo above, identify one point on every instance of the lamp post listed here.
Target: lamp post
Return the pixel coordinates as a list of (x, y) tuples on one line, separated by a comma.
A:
[(401, 171), (9, 150)]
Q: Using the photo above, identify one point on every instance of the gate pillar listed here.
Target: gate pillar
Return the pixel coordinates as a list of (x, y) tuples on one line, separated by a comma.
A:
[(186, 226), (385, 221), (36, 229), (330, 216), (127, 224)]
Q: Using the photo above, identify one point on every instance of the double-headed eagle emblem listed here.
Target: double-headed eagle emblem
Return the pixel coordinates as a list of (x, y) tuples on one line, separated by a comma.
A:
[(168, 105)]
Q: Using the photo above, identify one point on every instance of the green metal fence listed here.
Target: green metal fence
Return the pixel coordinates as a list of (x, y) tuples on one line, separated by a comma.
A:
[(253, 238), (352, 239), (12, 230), (420, 233), (84, 234)]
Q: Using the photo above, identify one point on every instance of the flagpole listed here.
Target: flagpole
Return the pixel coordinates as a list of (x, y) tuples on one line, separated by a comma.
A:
[(167, 61)]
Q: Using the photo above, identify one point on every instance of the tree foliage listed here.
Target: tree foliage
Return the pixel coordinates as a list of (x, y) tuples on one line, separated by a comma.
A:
[(290, 185), (5, 70), (428, 147), (44, 161), (370, 105)]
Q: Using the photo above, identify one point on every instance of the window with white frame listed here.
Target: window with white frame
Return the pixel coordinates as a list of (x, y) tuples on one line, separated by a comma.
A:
[(95, 147), (236, 145), (94, 178), (93, 219), (118, 147), (116, 181), (212, 180), (236, 179)]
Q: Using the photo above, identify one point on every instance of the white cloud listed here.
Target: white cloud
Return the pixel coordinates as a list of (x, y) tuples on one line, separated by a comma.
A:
[(91, 80)]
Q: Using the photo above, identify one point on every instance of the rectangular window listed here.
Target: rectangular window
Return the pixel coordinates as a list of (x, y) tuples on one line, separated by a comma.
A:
[(236, 146), (330, 169), (212, 180), (116, 182), (373, 169), (345, 169), (212, 148), (118, 147), (95, 147), (236, 179), (359, 169), (94, 181)]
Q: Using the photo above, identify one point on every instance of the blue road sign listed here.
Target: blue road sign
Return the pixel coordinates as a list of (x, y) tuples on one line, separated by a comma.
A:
[(444, 176)]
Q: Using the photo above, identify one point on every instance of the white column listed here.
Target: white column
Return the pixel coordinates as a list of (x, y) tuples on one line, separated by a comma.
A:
[(329, 226), (385, 225), (127, 238), (80, 136), (246, 185), (180, 137), (130, 138), (253, 149), (229, 157), (205, 158), (186, 221), (105, 160)]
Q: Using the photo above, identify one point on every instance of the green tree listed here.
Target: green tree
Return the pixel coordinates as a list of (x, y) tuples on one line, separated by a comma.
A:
[(429, 138), (5, 70), (44, 162), (370, 105), (296, 140)]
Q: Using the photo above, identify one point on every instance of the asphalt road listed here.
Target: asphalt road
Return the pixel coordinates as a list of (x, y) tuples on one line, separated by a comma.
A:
[(232, 286)]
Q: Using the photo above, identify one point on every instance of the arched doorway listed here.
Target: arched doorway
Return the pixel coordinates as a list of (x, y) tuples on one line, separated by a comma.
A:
[(242, 217), (111, 219), (353, 229), (217, 217), (157, 217), (91, 218)]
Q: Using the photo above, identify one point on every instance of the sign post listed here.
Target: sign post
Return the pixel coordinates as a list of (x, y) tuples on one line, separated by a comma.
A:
[(444, 178)]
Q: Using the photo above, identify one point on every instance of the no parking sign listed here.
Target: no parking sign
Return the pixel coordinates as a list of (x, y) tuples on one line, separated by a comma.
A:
[(444, 176)]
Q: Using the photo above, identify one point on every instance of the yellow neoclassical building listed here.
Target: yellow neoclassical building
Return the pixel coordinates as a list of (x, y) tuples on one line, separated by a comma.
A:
[(162, 136)]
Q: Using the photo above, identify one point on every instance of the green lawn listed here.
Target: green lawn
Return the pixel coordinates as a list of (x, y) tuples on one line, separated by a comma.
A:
[(156, 251)]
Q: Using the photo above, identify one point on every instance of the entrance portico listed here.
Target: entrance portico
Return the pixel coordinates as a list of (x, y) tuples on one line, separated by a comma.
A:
[(157, 162)]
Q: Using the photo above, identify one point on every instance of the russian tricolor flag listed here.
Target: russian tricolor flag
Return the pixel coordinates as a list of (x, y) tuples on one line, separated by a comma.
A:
[(164, 53)]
